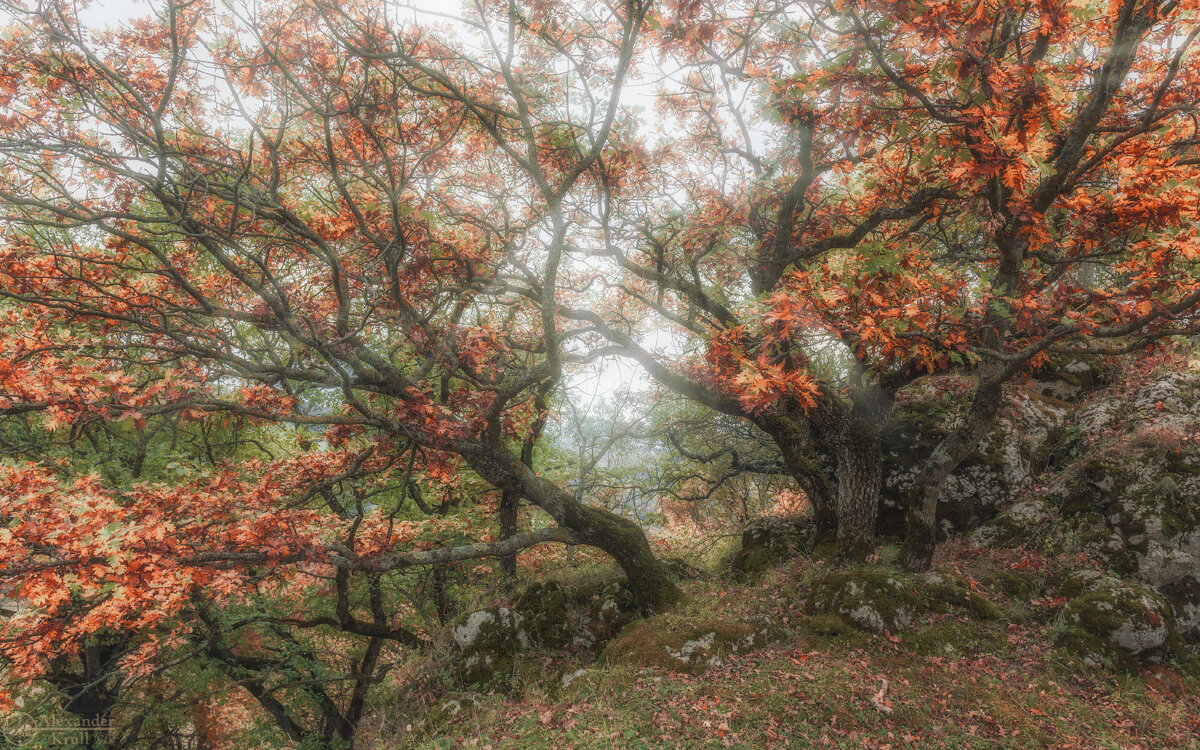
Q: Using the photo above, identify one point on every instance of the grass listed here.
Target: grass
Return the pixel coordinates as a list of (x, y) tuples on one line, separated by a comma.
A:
[(999, 685)]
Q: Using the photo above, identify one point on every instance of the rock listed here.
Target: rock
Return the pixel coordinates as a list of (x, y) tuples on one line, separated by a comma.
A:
[(1139, 510), (885, 601), (1127, 492), (771, 540), (683, 644), (876, 600), (543, 616), (600, 614), (1070, 377), (944, 592), (1114, 621), (1184, 596), (488, 640), (543, 608), (1009, 458)]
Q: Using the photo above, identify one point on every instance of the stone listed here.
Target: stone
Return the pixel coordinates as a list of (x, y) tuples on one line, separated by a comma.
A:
[(1115, 621), (683, 644), (771, 540), (1016, 450), (887, 601)]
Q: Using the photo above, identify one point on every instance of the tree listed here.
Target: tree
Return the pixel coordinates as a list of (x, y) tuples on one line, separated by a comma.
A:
[(323, 202), (320, 220), (908, 188)]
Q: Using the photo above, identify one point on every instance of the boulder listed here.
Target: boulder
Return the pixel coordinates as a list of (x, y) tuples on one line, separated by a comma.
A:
[(876, 600), (771, 540), (1114, 621), (543, 607), (887, 601), (543, 616), (684, 644), (488, 639), (600, 613)]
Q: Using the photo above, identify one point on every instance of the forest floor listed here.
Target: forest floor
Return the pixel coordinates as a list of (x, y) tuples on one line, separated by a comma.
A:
[(949, 681)]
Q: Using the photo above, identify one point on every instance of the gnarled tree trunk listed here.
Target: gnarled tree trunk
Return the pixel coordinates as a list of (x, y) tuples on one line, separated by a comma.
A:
[(621, 538)]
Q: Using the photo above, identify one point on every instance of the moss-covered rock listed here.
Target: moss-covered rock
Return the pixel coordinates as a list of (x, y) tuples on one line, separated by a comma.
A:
[(1113, 621), (488, 639), (875, 600), (1184, 596), (825, 626), (882, 600), (943, 592), (601, 612), (1071, 377), (444, 712), (770, 541), (543, 607), (684, 644), (546, 615), (1126, 493)]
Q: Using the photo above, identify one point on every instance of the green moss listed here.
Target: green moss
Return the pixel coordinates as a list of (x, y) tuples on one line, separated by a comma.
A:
[(680, 569), (489, 640), (544, 609), (871, 599), (1093, 650), (1018, 585), (949, 597), (682, 644), (955, 638), (649, 582), (825, 626), (1132, 622)]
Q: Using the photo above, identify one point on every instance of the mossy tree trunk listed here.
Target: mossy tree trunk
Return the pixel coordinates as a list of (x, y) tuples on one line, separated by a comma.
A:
[(621, 538), (510, 498), (509, 502), (792, 434)]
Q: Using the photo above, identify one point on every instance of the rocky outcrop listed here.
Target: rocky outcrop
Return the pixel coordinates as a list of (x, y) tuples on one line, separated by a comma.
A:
[(1016, 451), (1127, 493)]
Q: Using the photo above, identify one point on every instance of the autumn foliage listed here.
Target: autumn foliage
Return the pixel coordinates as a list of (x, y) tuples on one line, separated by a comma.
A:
[(338, 262)]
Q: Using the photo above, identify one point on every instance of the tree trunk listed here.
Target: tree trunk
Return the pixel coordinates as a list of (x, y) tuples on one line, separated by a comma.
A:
[(793, 436), (92, 693), (509, 502), (860, 479), (652, 588)]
